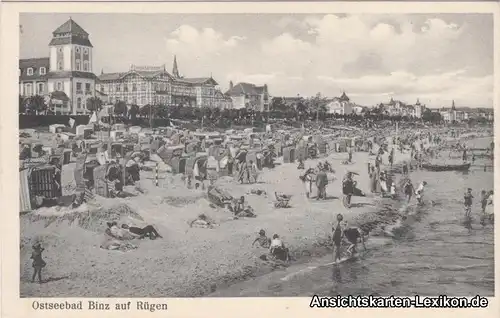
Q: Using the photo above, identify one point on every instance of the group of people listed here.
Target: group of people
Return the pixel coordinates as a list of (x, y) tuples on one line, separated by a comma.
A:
[(486, 207), (277, 248)]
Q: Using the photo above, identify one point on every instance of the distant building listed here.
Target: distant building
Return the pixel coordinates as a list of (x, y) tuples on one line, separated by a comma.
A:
[(247, 95), (153, 85), (340, 105), (399, 108), (450, 115), (222, 100), (65, 78)]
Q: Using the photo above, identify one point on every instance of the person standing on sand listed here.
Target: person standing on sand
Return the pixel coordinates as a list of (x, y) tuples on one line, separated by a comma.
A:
[(38, 262), (337, 236), (408, 190), (373, 180)]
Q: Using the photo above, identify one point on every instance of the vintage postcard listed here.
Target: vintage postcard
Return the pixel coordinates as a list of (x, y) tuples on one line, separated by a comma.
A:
[(201, 158)]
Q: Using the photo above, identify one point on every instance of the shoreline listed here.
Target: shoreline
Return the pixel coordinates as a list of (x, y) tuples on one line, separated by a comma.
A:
[(304, 227)]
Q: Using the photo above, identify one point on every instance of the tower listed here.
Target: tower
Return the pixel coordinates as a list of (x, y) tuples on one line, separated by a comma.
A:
[(175, 69), (71, 67)]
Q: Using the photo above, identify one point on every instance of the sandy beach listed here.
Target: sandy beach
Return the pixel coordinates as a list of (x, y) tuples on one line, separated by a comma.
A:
[(187, 261)]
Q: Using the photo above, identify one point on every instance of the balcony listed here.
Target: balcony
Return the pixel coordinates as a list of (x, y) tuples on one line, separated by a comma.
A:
[(88, 92)]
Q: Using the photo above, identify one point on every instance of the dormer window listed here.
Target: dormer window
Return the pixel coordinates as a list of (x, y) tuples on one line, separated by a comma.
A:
[(30, 71), (60, 50), (77, 49), (43, 71), (86, 51)]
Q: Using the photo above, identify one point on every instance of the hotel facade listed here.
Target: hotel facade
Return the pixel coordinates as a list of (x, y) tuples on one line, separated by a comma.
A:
[(154, 85)]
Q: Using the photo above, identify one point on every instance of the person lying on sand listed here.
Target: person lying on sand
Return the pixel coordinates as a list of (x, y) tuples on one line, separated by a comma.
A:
[(202, 221), (278, 249), (147, 231), (262, 239)]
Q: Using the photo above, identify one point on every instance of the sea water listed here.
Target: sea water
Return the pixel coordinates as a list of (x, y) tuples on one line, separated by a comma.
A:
[(433, 254)]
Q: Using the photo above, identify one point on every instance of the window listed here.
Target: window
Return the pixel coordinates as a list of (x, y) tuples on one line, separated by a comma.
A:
[(77, 49), (60, 50), (143, 86), (134, 87), (78, 102), (125, 88), (28, 90), (40, 88), (78, 88), (77, 64), (86, 51), (43, 71), (59, 86), (87, 87), (118, 87), (134, 100), (60, 65), (143, 100), (30, 71), (85, 66)]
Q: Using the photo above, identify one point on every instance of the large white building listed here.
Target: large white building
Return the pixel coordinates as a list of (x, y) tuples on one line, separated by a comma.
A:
[(450, 115), (65, 78), (340, 105)]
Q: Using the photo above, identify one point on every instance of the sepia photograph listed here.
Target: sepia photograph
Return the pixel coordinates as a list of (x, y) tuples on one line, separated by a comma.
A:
[(255, 154)]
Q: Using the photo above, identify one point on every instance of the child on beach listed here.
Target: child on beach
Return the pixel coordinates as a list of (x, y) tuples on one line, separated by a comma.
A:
[(38, 262), (337, 236), (468, 202), (262, 239)]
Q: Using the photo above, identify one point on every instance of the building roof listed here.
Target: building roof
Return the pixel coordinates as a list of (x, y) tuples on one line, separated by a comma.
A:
[(344, 97), (197, 80), (36, 64), (151, 74), (60, 95), (69, 74), (71, 40), (70, 33), (121, 75), (72, 27), (246, 89)]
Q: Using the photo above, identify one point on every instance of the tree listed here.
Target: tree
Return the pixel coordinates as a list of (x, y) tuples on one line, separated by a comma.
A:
[(120, 108), (134, 110), (22, 105), (94, 104), (430, 116), (37, 104)]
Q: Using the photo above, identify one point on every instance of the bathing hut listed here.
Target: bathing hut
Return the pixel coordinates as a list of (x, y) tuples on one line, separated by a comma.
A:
[(196, 165), (289, 155), (56, 128), (117, 149), (100, 184), (116, 134), (43, 181)]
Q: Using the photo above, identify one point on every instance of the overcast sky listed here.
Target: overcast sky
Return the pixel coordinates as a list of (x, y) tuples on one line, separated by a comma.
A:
[(436, 58)]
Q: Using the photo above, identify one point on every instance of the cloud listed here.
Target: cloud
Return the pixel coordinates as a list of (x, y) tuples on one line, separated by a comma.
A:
[(440, 88), (367, 57), (188, 40)]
